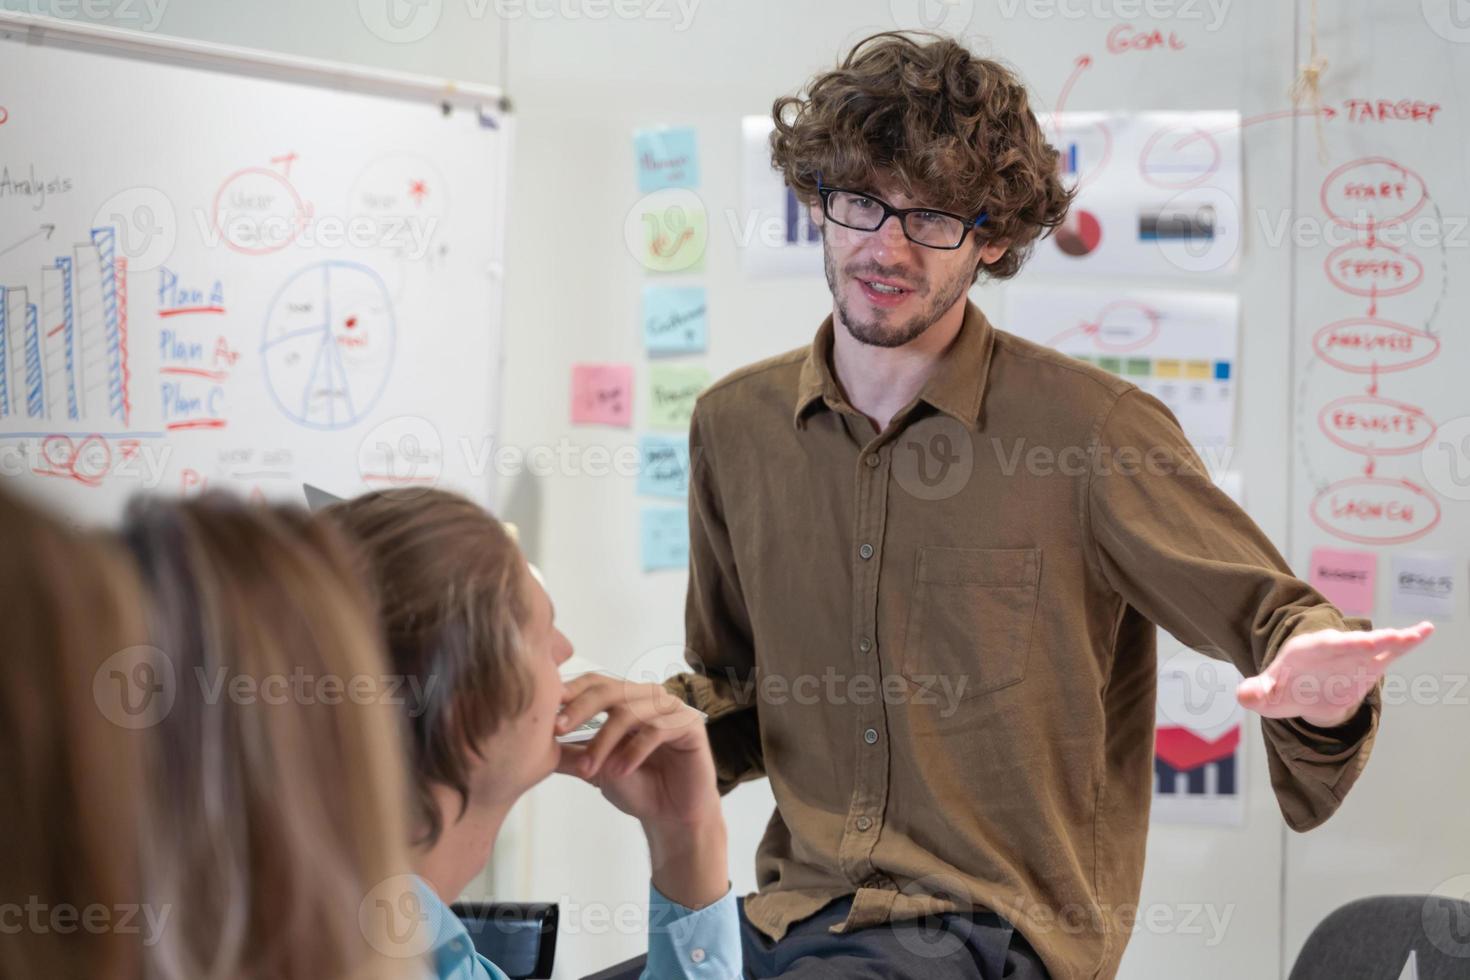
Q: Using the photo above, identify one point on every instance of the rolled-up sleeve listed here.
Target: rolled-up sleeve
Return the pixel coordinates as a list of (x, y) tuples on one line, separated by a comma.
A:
[(698, 944), (717, 633), (1180, 551)]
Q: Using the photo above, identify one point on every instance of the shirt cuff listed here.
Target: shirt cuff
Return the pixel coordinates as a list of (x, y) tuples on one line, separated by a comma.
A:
[(699, 944)]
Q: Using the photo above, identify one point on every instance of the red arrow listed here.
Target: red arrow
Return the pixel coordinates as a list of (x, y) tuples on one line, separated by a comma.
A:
[(1373, 301), (1369, 470), (1082, 63), (1325, 112), (1373, 388), (1372, 235)]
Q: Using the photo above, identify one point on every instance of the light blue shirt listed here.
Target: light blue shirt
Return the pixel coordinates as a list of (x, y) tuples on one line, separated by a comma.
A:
[(683, 944)]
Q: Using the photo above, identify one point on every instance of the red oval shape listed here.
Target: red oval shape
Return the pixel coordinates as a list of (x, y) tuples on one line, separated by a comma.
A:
[(1151, 326), (1379, 417), (1373, 176), (1377, 500), (1395, 348), (1343, 255)]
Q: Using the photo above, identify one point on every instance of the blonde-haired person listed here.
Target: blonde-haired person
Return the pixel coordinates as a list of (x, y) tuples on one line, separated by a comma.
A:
[(68, 883), (474, 632), (275, 813)]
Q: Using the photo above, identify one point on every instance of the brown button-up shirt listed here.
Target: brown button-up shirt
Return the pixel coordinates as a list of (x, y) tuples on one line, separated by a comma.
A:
[(936, 641)]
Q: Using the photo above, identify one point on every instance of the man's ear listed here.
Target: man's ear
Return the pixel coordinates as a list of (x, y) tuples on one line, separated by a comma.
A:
[(814, 211), (992, 252)]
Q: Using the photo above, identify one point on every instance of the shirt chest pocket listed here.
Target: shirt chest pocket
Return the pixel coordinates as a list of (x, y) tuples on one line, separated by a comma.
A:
[(971, 617)]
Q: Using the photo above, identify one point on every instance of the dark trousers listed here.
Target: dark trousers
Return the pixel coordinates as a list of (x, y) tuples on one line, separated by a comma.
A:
[(982, 946)]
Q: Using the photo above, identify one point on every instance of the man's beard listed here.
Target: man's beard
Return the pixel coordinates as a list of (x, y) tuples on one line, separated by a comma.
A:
[(879, 332)]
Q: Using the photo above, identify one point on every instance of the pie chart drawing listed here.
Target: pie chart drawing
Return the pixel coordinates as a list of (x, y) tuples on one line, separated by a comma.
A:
[(328, 344)]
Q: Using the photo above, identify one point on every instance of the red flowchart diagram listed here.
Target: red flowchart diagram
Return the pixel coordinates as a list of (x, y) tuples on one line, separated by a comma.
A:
[(1372, 197)]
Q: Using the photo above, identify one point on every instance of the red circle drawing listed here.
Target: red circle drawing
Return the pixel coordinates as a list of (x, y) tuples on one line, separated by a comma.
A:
[(1364, 344), (1383, 442), (1357, 259), (1378, 503), (1101, 329), (1182, 173), (1379, 182), (300, 212)]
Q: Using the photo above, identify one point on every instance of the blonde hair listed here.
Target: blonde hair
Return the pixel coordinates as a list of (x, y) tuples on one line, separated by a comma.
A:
[(70, 776), (276, 807), (453, 600)]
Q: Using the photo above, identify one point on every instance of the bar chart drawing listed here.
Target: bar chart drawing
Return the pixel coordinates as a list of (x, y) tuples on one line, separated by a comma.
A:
[(63, 360)]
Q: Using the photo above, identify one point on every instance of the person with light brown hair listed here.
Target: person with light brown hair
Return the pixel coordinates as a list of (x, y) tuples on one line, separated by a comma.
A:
[(469, 624), (274, 793), (70, 897), (926, 561)]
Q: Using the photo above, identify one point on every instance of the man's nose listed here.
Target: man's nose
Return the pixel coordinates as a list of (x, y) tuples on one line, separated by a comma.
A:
[(890, 240)]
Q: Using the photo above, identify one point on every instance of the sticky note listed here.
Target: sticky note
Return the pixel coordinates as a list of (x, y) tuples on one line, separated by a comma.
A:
[(664, 532), (602, 394), (672, 389), (663, 466), (1425, 585), (667, 156), (672, 235), (1346, 578), (674, 319)]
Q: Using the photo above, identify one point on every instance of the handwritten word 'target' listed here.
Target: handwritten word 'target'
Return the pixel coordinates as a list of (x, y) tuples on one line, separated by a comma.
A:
[(1389, 110)]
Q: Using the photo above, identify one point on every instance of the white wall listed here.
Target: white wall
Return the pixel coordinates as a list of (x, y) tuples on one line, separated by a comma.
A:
[(580, 86)]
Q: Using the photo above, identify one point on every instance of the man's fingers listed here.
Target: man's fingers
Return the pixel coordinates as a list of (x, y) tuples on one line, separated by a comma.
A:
[(618, 724), (591, 699), (1255, 692), (637, 748), (571, 759), (648, 701), (1395, 649)]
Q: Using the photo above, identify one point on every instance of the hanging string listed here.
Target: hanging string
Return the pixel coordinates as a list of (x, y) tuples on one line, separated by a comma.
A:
[(1308, 88)]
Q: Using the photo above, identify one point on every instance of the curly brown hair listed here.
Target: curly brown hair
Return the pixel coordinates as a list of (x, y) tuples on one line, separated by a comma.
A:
[(953, 129)]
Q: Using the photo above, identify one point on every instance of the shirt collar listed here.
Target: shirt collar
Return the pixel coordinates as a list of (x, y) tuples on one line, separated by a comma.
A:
[(451, 952), (957, 388)]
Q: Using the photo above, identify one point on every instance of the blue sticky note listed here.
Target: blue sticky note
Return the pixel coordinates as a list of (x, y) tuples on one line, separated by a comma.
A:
[(665, 537), (666, 157), (663, 466), (675, 319)]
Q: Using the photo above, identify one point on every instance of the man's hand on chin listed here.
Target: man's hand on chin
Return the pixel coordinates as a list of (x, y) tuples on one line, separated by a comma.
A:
[(1323, 677)]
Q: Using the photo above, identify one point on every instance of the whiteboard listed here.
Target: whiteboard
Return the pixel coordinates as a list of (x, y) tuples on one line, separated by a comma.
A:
[(210, 280)]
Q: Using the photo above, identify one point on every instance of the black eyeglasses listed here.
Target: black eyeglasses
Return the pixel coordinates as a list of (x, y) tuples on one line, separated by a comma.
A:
[(861, 211)]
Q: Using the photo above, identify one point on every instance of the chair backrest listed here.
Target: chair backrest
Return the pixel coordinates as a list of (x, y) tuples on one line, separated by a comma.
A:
[(1390, 937), (518, 937)]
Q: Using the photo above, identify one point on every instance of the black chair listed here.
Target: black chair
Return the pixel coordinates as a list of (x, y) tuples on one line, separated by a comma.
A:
[(1374, 939), (518, 937)]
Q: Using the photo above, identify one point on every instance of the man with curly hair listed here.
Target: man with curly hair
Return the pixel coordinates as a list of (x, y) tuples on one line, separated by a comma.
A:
[(927, 558)]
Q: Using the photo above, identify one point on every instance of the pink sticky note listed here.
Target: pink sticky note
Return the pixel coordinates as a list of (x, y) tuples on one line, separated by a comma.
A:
[(1346, 578), (602, 394)]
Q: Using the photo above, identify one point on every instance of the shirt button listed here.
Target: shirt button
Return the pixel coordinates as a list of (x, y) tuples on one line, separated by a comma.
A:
[(697, 956), (872, 460), (865, 644), (863, 823), (866, 551), (871, 736)]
